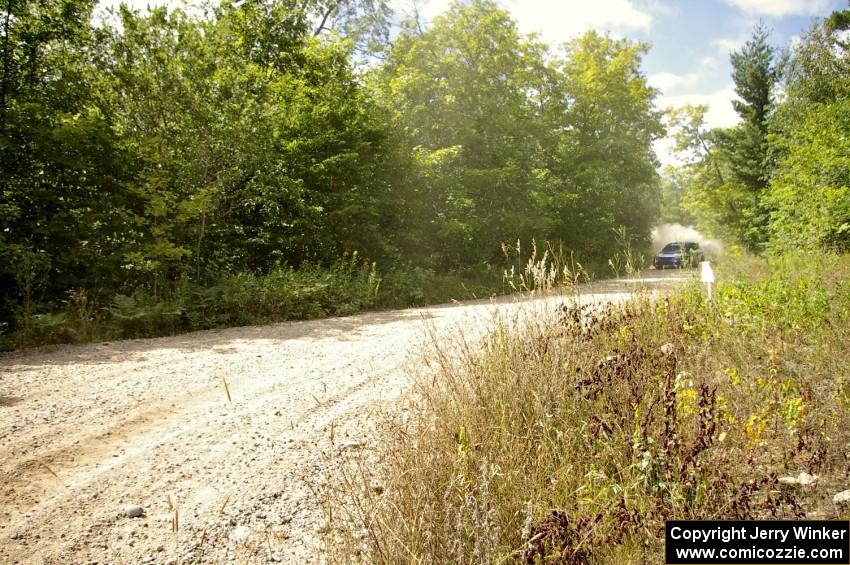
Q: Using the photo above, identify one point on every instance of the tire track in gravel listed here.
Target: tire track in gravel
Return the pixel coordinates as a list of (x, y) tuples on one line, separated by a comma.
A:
[(86, 430)]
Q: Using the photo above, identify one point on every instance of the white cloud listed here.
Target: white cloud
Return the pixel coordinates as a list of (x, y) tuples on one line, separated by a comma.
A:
[(670, 81), (559, 20), (720, 114), (729, 44), (708, 62), (782, 8), (661, 8)]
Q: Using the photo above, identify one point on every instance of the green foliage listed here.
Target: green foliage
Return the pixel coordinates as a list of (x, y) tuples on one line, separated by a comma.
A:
[(460, 93), (774, 302), (754, 75), (512, 143), (778, 180), (61, 193), (729, 175), (808, 195), (603, 169), (253, 156), (142, 315), (348, 286), (166, 158), (815, 70), (46, 328), (745, 145), (708, 194), (572, 436), (810, 191), (674, 185)]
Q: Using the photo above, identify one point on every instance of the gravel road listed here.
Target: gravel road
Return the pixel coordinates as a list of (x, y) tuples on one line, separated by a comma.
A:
[(217, 435)]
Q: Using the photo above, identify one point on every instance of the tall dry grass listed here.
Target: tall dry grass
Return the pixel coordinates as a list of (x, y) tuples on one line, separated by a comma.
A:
[(573, 436)]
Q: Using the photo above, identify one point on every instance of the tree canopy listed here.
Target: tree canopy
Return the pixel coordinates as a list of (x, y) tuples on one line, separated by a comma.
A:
[(167, 147), (778, 179)]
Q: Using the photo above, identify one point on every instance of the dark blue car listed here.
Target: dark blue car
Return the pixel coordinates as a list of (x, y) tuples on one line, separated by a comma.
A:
[(678, 255)]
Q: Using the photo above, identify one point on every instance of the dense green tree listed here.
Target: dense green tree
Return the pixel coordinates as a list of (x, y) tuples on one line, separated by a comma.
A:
[(815, 70), (267, 153), (172, 147), (745, 145), (168, 151), (514, 143), (809, 195), (711, 194), (461, 91), (604, 123), (730, 174), (810, 192), (366, 23), (777, 180), (674, 184), (63, 203)]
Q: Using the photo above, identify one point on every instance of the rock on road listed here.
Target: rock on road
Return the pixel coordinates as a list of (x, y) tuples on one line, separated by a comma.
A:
[(221, 472)]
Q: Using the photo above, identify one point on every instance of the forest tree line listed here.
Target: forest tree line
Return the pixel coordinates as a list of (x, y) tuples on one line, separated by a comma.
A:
[(780, 179), (159, 153), (254, 161)]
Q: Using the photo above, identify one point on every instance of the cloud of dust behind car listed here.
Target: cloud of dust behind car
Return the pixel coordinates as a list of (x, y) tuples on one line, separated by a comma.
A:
[(667, 233)]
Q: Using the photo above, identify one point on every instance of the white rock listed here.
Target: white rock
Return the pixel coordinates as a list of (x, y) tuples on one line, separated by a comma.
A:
[(668, 348), (803, 479), (134, 511), (239, 534), (842, 498)]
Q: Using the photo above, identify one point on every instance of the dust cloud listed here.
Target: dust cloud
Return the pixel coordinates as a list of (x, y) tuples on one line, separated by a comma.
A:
[(665, 233)]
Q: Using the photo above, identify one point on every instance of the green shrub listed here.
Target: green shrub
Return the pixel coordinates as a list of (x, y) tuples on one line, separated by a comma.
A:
[(141, 315), (574, 438), (48, 328)]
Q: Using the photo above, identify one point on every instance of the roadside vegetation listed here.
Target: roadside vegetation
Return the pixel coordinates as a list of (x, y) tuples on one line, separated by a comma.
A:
[(572, 436), (253, 162), (172, 170)]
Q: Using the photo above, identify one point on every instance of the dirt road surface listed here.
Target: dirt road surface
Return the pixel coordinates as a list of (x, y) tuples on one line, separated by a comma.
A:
[(223, 472)]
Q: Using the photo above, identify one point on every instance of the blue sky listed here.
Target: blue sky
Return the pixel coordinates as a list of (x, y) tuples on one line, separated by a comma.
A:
[(691, 39)]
